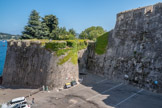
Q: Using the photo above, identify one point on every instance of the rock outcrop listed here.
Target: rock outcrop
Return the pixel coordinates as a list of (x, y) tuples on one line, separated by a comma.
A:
[(134, 51), (28, 64)]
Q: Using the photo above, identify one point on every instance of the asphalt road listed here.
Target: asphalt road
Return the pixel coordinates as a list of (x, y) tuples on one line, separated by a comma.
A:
[(97, 92), (93, 92), (119, 95)]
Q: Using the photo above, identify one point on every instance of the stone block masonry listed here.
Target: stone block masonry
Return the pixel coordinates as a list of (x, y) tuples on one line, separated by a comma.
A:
[(29, 64), (134, 51)]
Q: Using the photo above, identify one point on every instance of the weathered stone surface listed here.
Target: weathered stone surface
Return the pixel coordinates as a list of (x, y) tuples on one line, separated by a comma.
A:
[(82, 60), (28, 64), (134, 48)]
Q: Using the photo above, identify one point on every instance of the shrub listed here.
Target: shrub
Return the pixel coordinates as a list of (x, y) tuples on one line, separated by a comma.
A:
[(71, 43), (55, 46), (70, 47)]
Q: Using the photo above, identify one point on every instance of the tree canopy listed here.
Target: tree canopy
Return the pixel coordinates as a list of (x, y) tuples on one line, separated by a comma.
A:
[(65, 35), (92, 33), (47, 28), (33, 29), (51, 22)]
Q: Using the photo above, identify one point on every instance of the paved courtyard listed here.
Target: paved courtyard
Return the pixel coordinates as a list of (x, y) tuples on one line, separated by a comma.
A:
[(97, 92), (93, 92)]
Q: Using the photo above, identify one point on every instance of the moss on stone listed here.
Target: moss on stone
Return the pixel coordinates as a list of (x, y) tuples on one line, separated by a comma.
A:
[(101, 44)]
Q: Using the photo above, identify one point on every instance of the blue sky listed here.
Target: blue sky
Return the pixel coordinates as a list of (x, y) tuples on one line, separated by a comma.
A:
[(77, 14)]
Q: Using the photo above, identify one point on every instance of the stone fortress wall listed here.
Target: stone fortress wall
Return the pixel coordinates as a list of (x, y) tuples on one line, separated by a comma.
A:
[(134, 51), (28, 64)]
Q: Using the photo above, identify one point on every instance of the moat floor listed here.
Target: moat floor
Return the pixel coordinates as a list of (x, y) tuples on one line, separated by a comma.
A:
[(97, 92)]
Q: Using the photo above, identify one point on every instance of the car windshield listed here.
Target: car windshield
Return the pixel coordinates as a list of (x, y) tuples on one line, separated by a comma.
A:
[(16, 106), (16, 102)]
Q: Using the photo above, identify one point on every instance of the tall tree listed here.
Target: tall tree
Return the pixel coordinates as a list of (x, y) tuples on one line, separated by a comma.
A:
[(44, 31), (92, 33), (33, 29), (72, 31), (51, 21)]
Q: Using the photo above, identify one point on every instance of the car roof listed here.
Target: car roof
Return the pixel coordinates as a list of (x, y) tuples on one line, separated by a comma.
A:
[(18, 99)]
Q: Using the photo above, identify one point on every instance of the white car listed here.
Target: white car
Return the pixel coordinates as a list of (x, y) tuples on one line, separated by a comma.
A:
[(16, 101), (22, 105)]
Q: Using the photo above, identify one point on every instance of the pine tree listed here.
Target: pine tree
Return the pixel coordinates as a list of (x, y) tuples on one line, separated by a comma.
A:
[(33, 29), (51, 24), (44, 31), (72, 31)]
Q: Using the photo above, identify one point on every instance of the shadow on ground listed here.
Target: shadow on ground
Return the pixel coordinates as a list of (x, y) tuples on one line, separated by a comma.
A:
[(119, 95)]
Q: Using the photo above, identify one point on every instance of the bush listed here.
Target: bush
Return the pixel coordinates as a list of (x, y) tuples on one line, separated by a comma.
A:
[(62, 51), (55, 46), (70, 47), (82, 44), (71, 43)]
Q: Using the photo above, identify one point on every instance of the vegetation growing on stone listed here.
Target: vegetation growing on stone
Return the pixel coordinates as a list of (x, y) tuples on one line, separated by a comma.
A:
[(72, 56), (62, 51), (55, 46), (69, 48), (101, 44)]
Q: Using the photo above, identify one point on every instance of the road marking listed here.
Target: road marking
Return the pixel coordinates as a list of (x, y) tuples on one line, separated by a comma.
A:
[(101, 81), (128, 98), (105, 91)]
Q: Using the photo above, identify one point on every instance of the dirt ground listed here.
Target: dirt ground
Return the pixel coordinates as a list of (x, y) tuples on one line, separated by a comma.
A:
[(6, 94), (93, 92)]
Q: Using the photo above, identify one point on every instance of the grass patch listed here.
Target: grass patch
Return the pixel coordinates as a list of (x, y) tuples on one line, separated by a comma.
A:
[(69, 47), (62, 51), (65, 59), (101, 44), (72, 55)]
